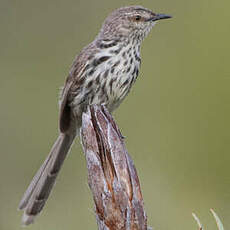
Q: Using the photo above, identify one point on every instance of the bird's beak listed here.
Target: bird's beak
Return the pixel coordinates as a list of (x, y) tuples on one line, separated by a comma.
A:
[(159, 17)]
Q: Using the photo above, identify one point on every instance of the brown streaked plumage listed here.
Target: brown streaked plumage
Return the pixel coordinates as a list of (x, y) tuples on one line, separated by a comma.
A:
[(103, 73)]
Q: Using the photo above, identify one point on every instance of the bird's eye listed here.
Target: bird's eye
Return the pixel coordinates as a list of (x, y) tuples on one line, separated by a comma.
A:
[(138, 18)]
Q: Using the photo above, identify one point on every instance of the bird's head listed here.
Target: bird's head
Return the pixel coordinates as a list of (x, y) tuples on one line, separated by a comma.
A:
[(131, 21)]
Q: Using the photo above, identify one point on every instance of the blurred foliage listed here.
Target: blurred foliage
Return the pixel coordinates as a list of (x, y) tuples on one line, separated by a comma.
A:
[(176, 118), (216, 217)]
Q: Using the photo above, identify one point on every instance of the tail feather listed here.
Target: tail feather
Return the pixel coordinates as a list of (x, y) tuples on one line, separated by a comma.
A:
[(40, 187), (25, 199)]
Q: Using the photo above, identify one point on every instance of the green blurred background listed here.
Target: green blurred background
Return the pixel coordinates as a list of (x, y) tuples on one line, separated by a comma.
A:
[(176, 118)]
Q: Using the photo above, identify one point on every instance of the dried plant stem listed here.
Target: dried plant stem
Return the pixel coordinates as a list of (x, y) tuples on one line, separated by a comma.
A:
[(112, 175)]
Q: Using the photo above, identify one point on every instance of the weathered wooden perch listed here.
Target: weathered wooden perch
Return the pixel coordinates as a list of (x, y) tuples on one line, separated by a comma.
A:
[(112, 175)]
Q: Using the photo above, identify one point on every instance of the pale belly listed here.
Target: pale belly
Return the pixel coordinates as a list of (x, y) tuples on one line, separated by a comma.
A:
[(114, 88)]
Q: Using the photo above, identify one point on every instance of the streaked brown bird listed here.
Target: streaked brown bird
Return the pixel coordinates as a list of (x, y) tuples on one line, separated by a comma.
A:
[(103, 73)]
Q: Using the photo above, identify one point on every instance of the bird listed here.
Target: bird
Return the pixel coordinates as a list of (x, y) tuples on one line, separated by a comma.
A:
[(102, 74)]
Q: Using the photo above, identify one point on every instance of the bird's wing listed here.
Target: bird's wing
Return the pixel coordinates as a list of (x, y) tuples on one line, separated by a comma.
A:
[(74, 81)]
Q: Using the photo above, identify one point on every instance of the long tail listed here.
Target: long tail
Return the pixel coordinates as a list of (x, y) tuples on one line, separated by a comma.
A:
[(39, 189)]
